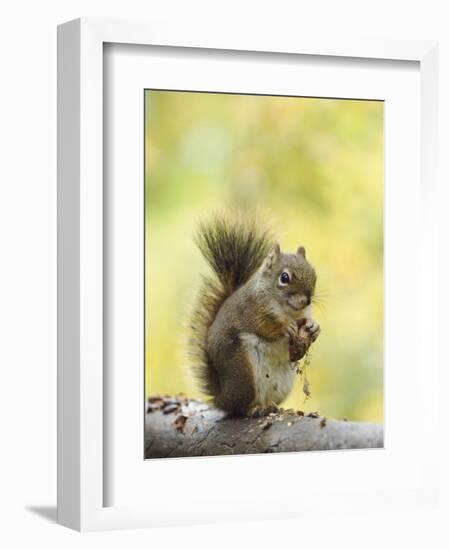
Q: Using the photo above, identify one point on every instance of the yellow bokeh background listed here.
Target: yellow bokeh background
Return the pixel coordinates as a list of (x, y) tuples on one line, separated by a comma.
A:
[(309, 168)]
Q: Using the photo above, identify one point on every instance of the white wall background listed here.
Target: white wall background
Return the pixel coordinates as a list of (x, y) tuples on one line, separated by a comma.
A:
[(28, 269)]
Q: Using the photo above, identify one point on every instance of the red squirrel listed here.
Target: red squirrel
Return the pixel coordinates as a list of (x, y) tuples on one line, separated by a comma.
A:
[(252, 322)]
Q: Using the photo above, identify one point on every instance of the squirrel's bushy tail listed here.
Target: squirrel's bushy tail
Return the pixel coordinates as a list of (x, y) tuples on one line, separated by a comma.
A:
[(234, 249)]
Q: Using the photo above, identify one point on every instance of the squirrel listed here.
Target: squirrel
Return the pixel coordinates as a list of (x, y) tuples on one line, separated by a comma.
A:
[(252, 322)]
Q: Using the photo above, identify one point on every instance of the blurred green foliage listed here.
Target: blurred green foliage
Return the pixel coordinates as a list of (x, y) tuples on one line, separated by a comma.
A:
[(311, 169)]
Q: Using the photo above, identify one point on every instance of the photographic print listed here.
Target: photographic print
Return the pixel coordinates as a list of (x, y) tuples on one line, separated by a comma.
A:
[(263, 274)]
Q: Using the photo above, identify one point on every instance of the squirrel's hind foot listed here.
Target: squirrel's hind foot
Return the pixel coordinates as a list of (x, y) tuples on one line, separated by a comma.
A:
[(258, 411)]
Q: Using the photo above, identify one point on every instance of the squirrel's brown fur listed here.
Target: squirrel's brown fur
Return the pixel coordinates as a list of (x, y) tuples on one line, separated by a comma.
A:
[(234, 250), (247, 314)]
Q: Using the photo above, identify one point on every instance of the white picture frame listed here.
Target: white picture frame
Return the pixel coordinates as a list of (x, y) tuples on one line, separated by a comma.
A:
[(81, 404)]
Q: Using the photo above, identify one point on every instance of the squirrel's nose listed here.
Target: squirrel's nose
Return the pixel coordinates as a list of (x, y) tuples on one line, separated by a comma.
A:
[(308, 298)]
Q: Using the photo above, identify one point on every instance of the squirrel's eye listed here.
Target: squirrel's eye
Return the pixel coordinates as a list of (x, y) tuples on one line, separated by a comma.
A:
[(284, 278)]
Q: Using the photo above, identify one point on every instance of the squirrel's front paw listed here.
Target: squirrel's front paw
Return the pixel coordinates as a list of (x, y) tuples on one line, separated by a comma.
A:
[(306, 333), (310, 330)]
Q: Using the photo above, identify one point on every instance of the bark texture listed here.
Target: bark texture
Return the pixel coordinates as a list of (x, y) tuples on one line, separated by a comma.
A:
[(180, 427)]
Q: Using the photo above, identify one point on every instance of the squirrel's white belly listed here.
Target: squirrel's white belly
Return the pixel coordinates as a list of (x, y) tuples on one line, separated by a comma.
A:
[(273, 371)]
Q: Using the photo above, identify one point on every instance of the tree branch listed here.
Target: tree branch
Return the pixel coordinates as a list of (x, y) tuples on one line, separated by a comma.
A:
[(180, 427)]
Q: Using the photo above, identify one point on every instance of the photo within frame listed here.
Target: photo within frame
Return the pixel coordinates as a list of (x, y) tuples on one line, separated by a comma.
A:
[(264, 299)]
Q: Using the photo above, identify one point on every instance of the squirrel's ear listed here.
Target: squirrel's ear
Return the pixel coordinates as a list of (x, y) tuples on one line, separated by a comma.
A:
[(301, 251), (272, 257)]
